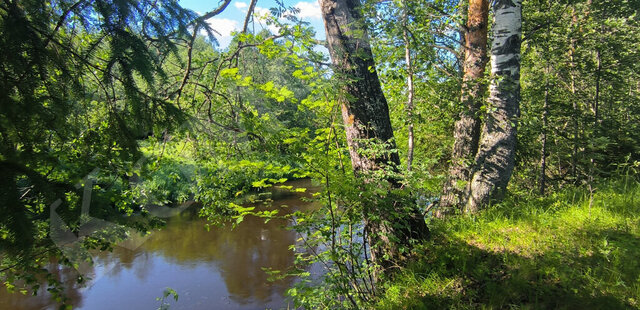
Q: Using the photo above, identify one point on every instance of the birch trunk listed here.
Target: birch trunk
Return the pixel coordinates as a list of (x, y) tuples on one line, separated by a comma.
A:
[(410, 91), (365, 114), (467, 129), (496, 155)]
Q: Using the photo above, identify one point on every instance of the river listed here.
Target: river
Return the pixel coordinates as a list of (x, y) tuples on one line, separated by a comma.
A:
[(220, 268)]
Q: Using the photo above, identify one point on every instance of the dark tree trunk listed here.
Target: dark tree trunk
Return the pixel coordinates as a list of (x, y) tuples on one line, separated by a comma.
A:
[(543, 155), (364, 108), (576, 126), (574, 100), (467, 129), (496, 155), (366, 118), (596, 104)]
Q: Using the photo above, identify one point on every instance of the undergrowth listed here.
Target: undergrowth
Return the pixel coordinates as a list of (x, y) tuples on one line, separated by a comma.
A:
[(568, 250)]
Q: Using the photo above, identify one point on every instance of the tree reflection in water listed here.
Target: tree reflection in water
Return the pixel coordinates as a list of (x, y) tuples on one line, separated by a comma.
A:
[(208, 268), (18, 301)]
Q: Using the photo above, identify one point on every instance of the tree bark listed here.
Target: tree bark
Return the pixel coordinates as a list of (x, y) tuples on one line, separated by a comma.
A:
[(496, 156), (410, 91), (596, 104), (467, 129), (365, 114), (574, 100), (545, 116)]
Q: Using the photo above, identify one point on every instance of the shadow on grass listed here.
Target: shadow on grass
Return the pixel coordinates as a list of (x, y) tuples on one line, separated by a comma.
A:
[(598, 277)]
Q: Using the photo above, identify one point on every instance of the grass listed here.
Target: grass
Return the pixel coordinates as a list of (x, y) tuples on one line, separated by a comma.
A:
[(553, 252)]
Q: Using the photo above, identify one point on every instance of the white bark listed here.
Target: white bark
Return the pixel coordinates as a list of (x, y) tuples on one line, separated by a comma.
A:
[(410, 91), (496, 156), (507, 30)]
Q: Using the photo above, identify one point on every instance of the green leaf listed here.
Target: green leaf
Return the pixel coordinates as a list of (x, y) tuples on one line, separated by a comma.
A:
[(267, 87), (229, 72)]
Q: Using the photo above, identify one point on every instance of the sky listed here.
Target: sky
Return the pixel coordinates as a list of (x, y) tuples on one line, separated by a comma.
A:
[(232, 18)]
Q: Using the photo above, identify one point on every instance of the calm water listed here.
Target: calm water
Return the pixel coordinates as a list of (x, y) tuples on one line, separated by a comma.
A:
[(216, 269)]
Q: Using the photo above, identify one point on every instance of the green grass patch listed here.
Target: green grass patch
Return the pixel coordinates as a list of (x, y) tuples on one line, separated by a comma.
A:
[(553, 252)]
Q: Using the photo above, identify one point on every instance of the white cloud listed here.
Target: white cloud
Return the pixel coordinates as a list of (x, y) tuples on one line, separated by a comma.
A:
[(241, 5), (309, 10), (274, 29), (224, 27)]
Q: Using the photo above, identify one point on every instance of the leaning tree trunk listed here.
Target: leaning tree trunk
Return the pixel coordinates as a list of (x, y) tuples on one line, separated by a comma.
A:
[(366, 118), (496, 155), (467, 129)]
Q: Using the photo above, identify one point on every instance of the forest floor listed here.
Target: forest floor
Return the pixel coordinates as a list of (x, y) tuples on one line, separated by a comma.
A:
[(567, 250)]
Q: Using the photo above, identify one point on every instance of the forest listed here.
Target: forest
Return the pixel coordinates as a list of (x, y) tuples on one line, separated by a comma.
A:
[(462, 154)]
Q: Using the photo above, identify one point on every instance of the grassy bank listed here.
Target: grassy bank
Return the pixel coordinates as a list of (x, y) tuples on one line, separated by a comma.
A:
[(567, 250)]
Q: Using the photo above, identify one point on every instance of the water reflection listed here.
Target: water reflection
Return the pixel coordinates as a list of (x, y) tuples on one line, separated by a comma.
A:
[(220, 268), (42, 300)]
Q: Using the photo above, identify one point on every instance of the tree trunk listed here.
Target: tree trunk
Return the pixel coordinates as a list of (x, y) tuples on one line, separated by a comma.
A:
[(574, 100), (545, 115), (576, 127), (467, 129), (366, 118), (596, 104), (496, 156), (410, 91)]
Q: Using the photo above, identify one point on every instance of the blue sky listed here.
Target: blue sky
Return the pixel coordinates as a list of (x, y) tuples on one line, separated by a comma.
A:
[(233, 16)]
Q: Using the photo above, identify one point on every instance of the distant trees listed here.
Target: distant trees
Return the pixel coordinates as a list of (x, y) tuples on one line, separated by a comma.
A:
[(579, 93)]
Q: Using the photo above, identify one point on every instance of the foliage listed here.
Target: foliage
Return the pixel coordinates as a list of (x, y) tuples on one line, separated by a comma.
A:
[(336, 237), (584, 55), (168, 292), (129, 88), (433, 41), (81, 82)]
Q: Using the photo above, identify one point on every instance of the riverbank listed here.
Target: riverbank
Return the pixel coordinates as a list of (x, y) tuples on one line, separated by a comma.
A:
[(566, 250)]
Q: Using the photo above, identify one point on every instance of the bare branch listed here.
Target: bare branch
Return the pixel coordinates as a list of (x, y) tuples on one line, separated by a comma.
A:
[(249, 15)]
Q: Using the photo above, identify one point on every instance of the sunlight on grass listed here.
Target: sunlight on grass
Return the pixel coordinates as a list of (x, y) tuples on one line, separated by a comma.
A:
[(531, 253)]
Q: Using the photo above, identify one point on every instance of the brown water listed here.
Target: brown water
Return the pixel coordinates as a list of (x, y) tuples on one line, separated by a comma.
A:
[(217, 269)]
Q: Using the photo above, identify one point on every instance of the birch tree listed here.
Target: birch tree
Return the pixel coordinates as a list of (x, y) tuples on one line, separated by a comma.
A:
[(496, 155)]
